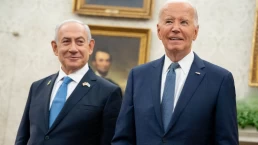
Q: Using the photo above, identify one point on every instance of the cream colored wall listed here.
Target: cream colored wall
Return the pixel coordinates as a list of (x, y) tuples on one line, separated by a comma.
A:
[(225, 36)]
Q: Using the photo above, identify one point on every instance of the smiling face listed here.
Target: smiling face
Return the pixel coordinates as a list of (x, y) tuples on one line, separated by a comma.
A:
[(177, 29), (72, 47)]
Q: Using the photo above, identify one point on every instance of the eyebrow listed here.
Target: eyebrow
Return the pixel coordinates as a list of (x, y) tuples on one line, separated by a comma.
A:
[(80, 38), (169, 18), (75, 38), (184, 18)]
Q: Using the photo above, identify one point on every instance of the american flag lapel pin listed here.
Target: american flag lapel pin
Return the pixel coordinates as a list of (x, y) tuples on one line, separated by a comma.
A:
[(48, 83), (198, 73), (86, 84)]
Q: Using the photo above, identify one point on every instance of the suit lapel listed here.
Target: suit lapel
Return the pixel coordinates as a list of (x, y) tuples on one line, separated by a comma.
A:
[(192, 82), (80, 91), (47, 95), (155, 87)]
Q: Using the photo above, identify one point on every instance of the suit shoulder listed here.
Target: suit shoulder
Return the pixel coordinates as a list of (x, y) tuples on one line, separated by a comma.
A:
[(215, 69), (104, 88), (103, 83), (147, 65), (48, 79)]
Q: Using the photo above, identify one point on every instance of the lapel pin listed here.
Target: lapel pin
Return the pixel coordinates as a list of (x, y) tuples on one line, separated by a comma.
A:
[(198, 73), (86, 84), (48, 83)]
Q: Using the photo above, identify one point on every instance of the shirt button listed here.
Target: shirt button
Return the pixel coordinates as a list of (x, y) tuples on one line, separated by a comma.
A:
[(46, 137)]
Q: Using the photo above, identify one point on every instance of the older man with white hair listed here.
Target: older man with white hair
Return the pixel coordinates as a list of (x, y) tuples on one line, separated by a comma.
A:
[(178, 99)]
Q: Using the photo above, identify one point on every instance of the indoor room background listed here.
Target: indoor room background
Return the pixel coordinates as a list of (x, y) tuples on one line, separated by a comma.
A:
[(27, 28)]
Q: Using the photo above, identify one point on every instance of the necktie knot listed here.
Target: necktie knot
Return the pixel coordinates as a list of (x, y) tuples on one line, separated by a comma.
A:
[(67, 80), (174, 66)]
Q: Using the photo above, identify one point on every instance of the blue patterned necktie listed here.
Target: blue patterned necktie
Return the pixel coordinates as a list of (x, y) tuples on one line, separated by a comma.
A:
[(59, 100), (167, 104)]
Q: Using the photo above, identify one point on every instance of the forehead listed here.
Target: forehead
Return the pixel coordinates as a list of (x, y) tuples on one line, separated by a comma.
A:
[(72, 30), (177, 9), (101, 54)]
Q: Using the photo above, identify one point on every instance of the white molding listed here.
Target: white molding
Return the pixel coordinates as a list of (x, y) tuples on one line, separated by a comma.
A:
[(248, 135)]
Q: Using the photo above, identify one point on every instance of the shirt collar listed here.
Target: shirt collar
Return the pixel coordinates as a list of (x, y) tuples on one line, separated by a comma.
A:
[(185, 63), (97, 73), (75, 76)]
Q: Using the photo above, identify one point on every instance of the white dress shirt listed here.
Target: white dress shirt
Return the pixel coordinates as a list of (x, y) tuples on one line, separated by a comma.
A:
[(181, 74), (76, 78)]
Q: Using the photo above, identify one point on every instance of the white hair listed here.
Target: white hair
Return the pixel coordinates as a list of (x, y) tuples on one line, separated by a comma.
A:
[(87, 29), (182, 1)]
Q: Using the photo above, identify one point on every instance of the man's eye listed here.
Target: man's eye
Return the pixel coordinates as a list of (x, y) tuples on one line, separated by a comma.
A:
[(184, 22), (169, 22), (80, 41)]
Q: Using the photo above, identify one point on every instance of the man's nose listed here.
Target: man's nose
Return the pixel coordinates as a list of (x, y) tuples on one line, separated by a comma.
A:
[(105, 63), (176, 27), (73, 47)]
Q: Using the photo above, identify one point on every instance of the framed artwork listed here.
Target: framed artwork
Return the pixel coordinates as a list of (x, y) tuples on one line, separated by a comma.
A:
[(114, 8), (117, 50), (253, 81)]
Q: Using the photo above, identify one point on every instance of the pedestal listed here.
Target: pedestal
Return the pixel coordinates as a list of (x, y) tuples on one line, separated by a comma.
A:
[(248, 136)]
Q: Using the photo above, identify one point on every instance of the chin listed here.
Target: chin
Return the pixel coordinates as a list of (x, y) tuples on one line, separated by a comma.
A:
[(103, 72), (175, 49), (75, 67)]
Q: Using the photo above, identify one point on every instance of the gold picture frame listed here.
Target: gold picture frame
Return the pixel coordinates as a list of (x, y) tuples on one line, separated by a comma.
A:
[(127, 47), (253, 77), (141, 9)]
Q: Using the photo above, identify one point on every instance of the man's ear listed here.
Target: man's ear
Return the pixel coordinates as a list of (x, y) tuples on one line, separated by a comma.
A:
[(158, 31), (91, 46), (54, 47), (196, 32)]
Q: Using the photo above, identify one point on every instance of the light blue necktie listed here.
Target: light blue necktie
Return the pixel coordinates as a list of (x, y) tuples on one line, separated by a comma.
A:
[(59, 100), (167, 104)]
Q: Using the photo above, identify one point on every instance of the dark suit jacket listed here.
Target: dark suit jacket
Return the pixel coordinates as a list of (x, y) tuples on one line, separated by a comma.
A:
[(205, 113), (87, 118)]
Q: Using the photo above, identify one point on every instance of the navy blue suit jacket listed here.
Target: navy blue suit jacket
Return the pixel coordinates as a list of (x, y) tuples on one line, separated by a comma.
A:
[(87, 118), (205, 113)]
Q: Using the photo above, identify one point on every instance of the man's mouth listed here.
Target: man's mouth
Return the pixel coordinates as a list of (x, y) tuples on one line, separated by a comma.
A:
[(73, 57), (175, 38)]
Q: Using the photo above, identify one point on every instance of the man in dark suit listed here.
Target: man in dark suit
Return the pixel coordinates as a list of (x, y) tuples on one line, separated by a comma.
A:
[(178, 99), (73, 106)]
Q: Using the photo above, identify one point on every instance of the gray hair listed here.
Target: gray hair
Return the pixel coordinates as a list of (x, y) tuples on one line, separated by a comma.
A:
[(87, 29), (183, 1)]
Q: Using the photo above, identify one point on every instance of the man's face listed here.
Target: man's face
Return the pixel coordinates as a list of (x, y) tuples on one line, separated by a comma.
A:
[(102, 62), (72, 48), (176, 28)]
